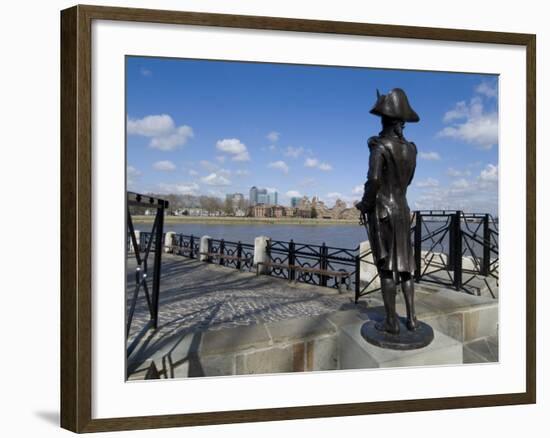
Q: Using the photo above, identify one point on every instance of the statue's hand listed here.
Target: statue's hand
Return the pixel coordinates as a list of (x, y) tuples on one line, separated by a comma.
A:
[(362, 207)]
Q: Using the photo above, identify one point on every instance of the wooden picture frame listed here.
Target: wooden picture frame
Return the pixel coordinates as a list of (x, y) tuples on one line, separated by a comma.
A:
[(76, 218)]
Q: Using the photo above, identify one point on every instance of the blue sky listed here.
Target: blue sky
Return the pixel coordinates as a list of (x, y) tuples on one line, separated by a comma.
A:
[(212, 127)]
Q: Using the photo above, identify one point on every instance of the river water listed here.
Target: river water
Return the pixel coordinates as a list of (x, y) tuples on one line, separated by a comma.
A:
[(341, 236)]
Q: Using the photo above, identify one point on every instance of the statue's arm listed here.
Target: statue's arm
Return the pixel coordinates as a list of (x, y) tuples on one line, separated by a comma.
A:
[(376, 162), (414, 170)]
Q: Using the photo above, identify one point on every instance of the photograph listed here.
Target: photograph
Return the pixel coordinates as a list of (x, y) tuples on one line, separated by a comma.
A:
[(285, 218)]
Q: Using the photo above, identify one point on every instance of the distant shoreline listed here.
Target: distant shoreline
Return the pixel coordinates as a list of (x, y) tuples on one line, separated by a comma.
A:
[(216, 220)]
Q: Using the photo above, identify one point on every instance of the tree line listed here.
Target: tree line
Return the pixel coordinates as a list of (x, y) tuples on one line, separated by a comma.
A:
[(211, 204)]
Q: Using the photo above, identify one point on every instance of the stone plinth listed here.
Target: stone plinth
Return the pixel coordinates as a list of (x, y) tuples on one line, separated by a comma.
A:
[(356, 353)]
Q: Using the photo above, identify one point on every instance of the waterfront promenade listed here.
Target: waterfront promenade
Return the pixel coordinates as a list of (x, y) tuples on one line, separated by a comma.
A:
[(198, 296), (215, 320)]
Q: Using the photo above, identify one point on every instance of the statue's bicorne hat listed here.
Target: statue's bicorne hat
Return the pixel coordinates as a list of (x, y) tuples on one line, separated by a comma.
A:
[(394, 105)]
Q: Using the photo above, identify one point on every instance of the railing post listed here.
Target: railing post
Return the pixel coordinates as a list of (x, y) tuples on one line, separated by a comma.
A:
[(222, 251), (357, 277), (457, 250), (180, 243), (157, 263), (192, 247), (262, 254), (239, 254), (323, 263), (291, 260), (209, 250), (486, 246), (452, 243), (418, 246)]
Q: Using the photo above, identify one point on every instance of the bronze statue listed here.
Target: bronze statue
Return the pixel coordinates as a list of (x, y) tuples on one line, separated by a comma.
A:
[(392, 163)]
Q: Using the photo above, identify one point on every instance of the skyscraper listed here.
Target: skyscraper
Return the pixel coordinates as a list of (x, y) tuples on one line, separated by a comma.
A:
[(272, 198), (253, 196), (262, 196)]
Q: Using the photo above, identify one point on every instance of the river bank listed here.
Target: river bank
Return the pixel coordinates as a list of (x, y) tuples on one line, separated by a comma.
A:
[(244, 220)]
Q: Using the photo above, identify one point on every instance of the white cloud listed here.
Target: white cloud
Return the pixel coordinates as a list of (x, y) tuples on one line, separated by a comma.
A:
[(208, 165), (334, 195), (358, 190), (273, 136), (311, 162), (428, 182), (179, 188), (132, 172), (193, 172), (452, 172), (293, 194), (151, 126), (430, 156), (487, 89), (234, 147), (279, 165), (164, 166), (294, 152), (215, 179), (215, 192), (460, 111), (315, 163), (164, 134), (489, 174), (172, 141), (307, 182), (145, 72), (242, 172), (471, 124), (220, 158), (470, 196), (461, 183), (476, 194)]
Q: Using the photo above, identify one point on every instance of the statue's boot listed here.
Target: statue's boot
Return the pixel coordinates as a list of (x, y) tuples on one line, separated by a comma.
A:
[(407, 286), (391, 322)]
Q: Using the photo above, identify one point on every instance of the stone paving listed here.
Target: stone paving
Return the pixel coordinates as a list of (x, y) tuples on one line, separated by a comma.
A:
[(197, 296)]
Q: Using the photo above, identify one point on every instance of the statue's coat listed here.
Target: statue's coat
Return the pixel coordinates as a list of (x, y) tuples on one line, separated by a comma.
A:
[(392, 163)]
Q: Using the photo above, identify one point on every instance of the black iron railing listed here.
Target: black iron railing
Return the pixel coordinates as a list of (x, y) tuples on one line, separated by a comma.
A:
[(321, 258), (452, 249), (186, 245), (456, 249), (148, 243), (236, 255)]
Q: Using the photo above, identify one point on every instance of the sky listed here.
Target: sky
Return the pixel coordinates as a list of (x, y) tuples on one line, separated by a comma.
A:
[(215, 127)]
